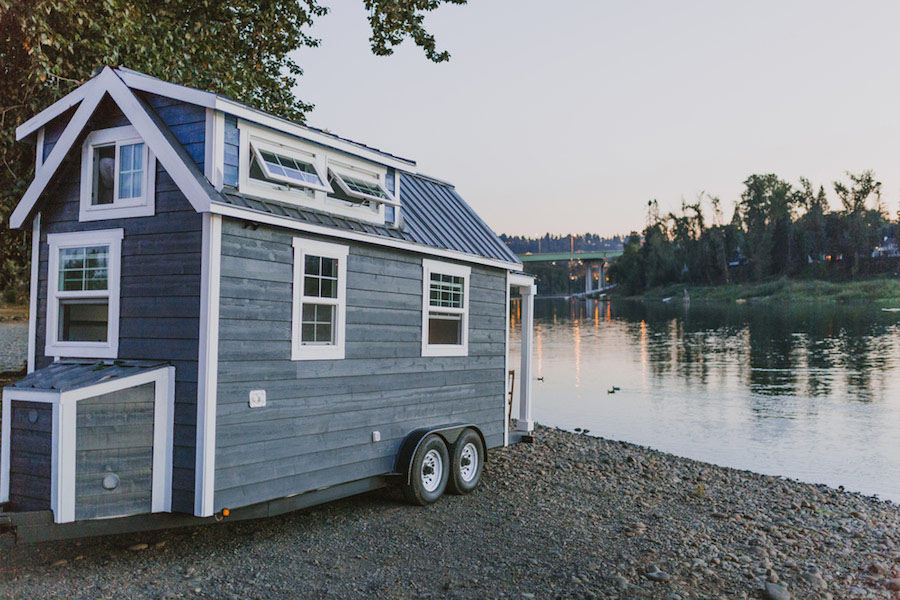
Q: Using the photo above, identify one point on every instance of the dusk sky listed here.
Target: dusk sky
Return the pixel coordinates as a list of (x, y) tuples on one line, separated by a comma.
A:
[(569, 116)]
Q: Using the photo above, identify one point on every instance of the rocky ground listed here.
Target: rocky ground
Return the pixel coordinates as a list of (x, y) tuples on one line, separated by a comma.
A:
[(570, 516)]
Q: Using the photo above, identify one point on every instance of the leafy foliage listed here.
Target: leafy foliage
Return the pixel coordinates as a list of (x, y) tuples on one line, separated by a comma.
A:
[(777, 231), (238, 48)]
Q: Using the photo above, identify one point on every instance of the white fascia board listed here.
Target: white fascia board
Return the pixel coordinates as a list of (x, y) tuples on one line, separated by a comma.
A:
[(54, 110), (283, 125), (521, 280), (258, 217), (43, 175), (33, 295), (145, 83), (168, 150)]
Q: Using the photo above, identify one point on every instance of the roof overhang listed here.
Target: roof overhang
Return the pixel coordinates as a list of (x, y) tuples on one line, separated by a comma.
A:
[(168, 151)]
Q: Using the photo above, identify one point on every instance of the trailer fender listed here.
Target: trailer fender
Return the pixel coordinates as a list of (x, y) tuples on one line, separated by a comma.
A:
[(449, 433)]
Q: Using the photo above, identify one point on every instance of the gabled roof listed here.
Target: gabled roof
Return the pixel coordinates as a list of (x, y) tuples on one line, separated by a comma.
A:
[(145, 83), (434, 217), (171, 154)]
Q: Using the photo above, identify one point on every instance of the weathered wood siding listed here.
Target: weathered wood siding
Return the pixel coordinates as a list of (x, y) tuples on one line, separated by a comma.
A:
[(160, 295), (29, 458), (232, 157), (114, 434), (316, 429)]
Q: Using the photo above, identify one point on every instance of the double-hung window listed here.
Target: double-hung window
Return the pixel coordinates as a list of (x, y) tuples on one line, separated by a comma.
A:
[(445, 309), (83, 294), (118, 174), (320, 300)]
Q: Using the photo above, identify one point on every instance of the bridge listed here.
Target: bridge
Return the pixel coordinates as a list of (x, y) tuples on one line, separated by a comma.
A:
[(593, 259)]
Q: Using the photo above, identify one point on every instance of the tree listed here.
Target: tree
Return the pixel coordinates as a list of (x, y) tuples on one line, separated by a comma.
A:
[(862, 222), (238, 48)]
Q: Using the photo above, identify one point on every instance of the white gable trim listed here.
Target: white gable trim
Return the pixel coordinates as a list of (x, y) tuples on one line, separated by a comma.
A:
[(36, 122), (63, 145), (168, 151)]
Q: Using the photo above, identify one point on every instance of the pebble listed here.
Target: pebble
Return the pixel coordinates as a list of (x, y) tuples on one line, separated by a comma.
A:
[(893, 584), (138, 547), (656, 575), (775, 591)]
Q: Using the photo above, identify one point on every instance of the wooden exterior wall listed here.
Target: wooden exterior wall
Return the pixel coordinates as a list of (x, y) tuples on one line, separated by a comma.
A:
[(160, 293), (114, 434), (30, 451), (316, 429)]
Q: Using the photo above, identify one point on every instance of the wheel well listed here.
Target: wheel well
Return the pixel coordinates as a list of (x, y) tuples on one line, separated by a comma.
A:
[(449, 433)]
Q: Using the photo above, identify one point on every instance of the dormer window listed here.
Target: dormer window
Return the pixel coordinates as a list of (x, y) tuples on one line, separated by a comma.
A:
[(361, 186), (118, 174), (285, 168), (282, 165)]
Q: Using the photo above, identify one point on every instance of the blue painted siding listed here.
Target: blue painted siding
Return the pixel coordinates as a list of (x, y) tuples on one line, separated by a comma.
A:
[(316, 429), (232, 151), (160, 292)]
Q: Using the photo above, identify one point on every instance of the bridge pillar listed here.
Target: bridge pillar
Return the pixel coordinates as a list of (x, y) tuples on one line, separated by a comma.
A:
[(588, 276)]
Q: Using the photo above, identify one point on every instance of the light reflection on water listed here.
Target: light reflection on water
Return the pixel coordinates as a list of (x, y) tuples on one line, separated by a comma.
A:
[(800, 390)]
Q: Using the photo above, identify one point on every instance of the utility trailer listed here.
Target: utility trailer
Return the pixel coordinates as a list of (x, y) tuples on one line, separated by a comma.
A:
[(235, 316)]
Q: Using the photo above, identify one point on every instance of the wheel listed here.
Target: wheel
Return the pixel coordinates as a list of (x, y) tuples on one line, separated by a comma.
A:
[(466, 463), (429, 473)]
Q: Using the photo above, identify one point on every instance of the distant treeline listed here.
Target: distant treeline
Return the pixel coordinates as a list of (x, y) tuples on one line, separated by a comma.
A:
[(561, 243), (777, 230)]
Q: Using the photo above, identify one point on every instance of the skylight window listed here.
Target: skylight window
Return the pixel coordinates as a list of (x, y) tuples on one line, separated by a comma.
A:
[(361, 188), (286, 167)]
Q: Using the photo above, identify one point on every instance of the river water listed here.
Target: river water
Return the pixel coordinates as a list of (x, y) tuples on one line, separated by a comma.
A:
[(798, 390)]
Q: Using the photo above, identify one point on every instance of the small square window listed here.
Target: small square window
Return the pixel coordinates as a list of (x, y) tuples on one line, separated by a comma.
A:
[(117, 175)]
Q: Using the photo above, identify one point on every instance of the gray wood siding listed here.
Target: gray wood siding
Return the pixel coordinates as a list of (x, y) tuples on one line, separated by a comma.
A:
[(114, 434), (316, 428), (30, 452), (160, 293)]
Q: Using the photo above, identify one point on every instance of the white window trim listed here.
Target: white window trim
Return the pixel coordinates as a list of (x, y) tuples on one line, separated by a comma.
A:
[(302, 247), (444, 268), (57, 241), (339, 172), (257, 145), (145, 206), (307, 197), (64, 449)]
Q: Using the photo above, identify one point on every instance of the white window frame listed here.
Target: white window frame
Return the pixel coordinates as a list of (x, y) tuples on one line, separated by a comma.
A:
[(338, 171), (318, 199), (257, 145), (445, 268), (336, 351), (143, 206), (58, 241)]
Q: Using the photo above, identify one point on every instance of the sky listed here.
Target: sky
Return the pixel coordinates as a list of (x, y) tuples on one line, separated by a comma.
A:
[(568, 116)]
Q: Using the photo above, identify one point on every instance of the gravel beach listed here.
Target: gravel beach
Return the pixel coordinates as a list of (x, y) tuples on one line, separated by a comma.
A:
[(570, 516)]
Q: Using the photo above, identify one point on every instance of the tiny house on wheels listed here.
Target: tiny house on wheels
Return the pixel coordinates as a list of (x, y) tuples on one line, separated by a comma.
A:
[(234, 315)]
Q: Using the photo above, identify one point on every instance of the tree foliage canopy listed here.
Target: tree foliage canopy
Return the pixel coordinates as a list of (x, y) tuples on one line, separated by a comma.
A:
[(239, 48), (778, 230)]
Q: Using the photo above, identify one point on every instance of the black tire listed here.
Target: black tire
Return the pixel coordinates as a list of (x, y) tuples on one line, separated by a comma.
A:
[(464, 476), (423, 485)]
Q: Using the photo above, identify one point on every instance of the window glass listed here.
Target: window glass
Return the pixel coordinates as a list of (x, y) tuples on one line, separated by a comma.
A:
[(320, 277), (81, 321), (364, 187), (317, 324), (444, 328), (446, 291), (131, 171), (104, 174), (83, 269), (290, 168)]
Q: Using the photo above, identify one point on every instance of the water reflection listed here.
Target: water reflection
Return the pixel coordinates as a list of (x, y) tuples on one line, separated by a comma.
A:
[(800, 390)]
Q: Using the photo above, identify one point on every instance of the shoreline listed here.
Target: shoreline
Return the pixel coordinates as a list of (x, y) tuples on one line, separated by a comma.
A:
[(883, 291), (569, 516)]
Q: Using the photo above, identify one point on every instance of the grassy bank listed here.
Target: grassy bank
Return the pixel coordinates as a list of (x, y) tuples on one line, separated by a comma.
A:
[(885, 292), (13, 312)]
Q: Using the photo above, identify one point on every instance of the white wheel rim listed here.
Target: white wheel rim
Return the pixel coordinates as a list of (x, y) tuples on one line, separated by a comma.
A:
[(432, 470), (468, 462)]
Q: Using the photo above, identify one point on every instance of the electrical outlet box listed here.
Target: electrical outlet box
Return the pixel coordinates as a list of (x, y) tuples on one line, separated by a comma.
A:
[(376, 436), (257, 398)]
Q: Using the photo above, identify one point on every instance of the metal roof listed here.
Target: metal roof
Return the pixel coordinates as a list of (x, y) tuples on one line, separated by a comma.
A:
[(432, 214), (65, 375)]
